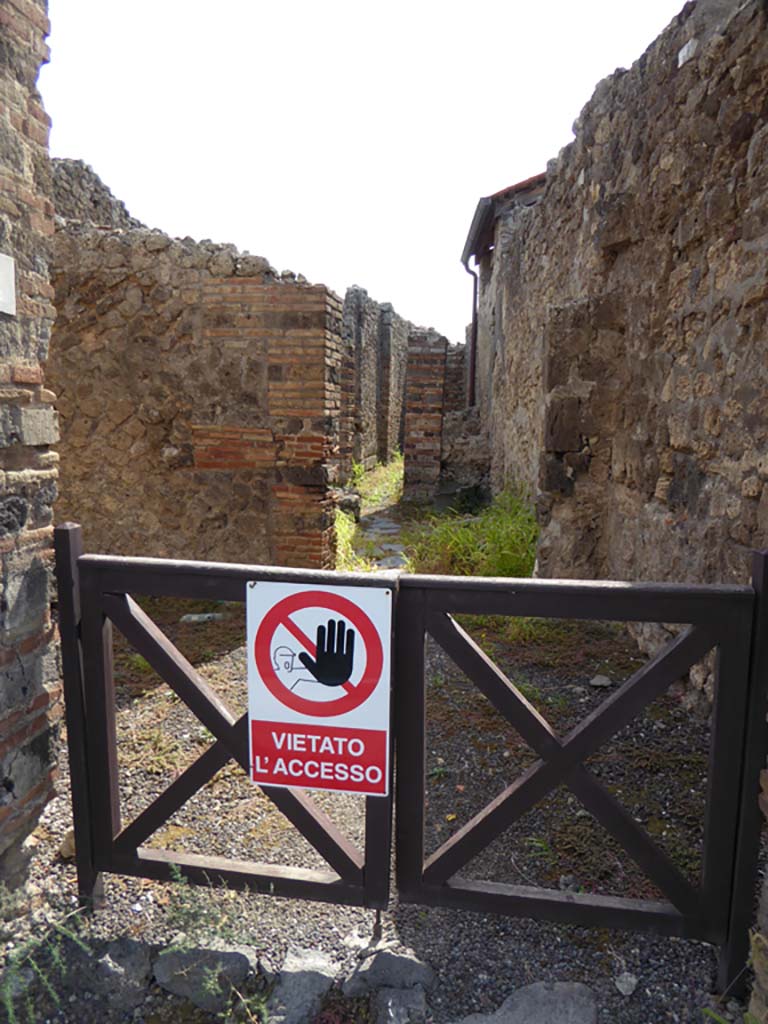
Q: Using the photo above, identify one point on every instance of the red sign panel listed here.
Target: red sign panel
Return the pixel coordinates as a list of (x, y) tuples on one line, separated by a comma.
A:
[(319, 756)]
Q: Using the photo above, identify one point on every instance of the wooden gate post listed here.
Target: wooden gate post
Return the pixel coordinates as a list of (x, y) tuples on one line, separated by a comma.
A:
[(734, 953), (68, 545)]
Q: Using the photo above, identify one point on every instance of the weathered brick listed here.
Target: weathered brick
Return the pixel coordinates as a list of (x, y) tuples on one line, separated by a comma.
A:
[(30, 702)]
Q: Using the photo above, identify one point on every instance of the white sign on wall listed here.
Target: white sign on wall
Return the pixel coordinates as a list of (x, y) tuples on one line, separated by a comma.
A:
[(7, 284), (318, 686)]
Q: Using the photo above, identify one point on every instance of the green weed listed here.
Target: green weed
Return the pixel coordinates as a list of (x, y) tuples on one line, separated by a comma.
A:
[(187, 911), (347, 558), (711, 1015), (382, 486), (499, 541), (192, 913), (541, 847), (139, 663), (39, 961)]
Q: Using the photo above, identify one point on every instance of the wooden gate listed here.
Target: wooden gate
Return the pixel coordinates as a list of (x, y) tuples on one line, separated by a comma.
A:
[(730, 619), (95, 593)]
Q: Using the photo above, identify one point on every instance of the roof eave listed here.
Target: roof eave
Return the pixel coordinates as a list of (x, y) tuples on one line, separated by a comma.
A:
[(482, 225)]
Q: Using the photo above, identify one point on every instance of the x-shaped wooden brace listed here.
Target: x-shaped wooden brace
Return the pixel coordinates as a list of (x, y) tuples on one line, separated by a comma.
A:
[(561, 760), (231, 742)]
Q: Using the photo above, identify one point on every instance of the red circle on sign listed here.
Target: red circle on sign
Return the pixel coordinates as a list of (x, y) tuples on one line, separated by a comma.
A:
[(374, 655)]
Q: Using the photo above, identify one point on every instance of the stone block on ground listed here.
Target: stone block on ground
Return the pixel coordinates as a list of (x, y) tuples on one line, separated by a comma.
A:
[(545, 1002), (388, 969), (399, 1006), (203, 976), (122, 973), (305, 977)]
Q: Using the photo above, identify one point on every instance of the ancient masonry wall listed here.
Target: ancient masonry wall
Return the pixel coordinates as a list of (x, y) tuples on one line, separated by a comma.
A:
[(30, 706), (442, 445), (80, 195), (622, 370), (624, 324), (223, 403), (361, 336), (206, 424), (376, 339), (394, 333)]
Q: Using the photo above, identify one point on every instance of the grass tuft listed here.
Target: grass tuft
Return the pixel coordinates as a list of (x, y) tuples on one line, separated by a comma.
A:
[(347, 558), (499, 541), (382, 486)]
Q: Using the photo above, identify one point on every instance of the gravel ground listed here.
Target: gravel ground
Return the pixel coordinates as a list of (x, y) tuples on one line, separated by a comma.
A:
[(478, 958)]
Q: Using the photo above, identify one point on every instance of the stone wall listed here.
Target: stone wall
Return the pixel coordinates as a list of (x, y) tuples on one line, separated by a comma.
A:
[(223, 402), (376, 338), (29, 692), (623, 324), (361, 336), (79, 194), (393, 341), (621, 365), (199, 398), (444, 449)]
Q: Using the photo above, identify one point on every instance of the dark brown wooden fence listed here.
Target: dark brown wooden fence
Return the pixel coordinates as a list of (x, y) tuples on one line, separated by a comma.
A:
[(95, 592), (729, 619)]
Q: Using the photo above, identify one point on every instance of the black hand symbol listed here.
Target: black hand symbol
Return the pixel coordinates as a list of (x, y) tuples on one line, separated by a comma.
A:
[(333, 666)]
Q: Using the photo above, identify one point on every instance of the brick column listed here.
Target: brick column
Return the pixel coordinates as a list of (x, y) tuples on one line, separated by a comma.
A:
[(424, 399), (304, 401)]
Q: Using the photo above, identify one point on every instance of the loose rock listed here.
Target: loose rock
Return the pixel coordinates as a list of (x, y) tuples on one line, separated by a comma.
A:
[(122, 973), (203, 976), (400, 1006), (626, 983), (305, 977), (559, 1002), (387, 969), (601, 682)]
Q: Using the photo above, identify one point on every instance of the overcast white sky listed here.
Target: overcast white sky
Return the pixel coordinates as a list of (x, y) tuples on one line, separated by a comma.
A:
[(343, 139)]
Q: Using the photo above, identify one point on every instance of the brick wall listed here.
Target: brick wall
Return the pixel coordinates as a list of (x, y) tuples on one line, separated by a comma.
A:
[(361, 334), (29, 692), (224, 403), (424, 407), (456, 378), (208, 424), (445, 443)]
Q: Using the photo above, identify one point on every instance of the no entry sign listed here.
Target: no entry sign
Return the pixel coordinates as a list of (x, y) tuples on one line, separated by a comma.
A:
[(318, 686)]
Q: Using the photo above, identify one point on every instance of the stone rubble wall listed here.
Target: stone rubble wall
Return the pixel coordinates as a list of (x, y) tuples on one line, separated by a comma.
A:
[(361, 335), (393, 341), (80, 194), (223, 404), (199, 399), (621, 373), (30, 705)]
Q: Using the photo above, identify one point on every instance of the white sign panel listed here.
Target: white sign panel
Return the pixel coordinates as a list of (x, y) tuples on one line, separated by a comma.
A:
[(7, 284), (318, 686)]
